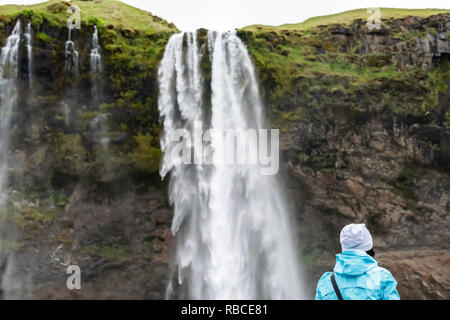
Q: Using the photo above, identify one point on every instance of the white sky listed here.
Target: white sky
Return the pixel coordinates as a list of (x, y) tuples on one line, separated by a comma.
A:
[(225, 15)]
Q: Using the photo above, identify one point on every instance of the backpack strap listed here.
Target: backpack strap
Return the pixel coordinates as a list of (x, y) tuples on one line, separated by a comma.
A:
[(335, 287)]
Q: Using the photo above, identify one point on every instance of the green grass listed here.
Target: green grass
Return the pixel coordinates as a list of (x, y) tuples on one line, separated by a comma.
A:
[(107, 12), (43, 37), (300, 62), (115, 253), (31, 218), (145, 156), (305, 59), (347, 17)]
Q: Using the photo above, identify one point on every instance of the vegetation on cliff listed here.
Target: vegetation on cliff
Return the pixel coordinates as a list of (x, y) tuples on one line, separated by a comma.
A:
[(348, 17), (344, 74), (365, 136), (105, 12), (348, 64), (324, 81), (132, 42)]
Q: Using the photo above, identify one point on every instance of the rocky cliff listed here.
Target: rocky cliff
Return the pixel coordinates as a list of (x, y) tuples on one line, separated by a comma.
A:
[(74, 199), (365, 135), (364, 124)]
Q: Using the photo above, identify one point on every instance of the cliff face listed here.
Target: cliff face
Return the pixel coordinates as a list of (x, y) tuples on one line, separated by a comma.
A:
[(364, 124), (365, 130), (84, 182)]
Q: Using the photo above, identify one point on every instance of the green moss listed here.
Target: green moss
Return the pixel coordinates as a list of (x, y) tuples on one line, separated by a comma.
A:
[(43, 37), (133, 43), (29, 217), (104, 107), (37, 216), (64, 236), (70, 147), (60, 200), (88, 115), (93, 21), (145, 156), (292, 116), (348, 16), (71, 156), (115, 253), (104, 12), (309, 65), (147, 253)]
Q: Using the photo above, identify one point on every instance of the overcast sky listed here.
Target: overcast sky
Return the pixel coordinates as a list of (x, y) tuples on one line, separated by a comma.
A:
[(225, 15)]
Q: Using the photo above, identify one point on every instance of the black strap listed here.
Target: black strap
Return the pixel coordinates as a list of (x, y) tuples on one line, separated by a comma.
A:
[(335, 287)]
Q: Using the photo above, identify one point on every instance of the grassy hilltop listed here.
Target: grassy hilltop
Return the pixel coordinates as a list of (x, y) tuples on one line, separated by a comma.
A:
[(347, 17), (336, 55), (365, 135), (132, 42), (107, 12)]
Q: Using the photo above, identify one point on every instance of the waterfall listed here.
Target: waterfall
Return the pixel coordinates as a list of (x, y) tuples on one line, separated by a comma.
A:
[(99, 124), (8, 94), (29, 45), (96, 57), (96, 61), (14, 283), (71, 54), (233, 236)]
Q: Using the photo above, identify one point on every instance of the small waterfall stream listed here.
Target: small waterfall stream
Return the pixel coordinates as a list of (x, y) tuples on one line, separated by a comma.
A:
[(71, 54), (233, 235), (15, 285), (100, 123), (29, 45), (8, 95), (96, 62)]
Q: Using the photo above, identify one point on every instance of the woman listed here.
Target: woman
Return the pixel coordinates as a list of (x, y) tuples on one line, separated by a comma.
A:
[(356, 275)]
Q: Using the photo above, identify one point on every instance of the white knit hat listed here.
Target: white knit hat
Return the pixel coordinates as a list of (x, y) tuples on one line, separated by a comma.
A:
[(356, 237)]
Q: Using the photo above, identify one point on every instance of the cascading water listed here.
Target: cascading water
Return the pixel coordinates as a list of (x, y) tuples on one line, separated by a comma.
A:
[(8, 96), (96, 61), (29, 45), (99, 124), (14, 284), (96, 57), (231, 223), (71, 54)]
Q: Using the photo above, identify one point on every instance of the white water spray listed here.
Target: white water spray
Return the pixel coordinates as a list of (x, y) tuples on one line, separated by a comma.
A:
[(96, 57), (99, 125), (29, 45), (234, 239), (8, 95), (71, 54), (14, 284), (95, 61)]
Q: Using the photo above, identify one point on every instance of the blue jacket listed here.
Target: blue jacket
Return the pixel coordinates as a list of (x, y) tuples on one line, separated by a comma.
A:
[(358, 277)]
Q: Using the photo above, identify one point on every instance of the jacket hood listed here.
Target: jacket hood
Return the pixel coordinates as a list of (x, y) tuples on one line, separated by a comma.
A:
[(354, 263)]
